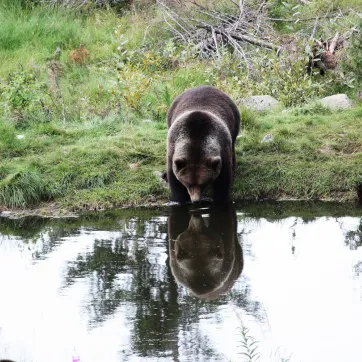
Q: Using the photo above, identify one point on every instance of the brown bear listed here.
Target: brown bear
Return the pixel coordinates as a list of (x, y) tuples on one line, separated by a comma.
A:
[(203, 123), (205, 253)]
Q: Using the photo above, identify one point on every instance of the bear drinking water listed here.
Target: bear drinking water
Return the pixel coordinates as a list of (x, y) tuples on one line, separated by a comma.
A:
[(203, 123), (205, 255)]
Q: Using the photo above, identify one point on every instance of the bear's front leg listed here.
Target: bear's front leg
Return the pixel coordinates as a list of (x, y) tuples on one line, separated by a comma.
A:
[(222, 184), (179, 192)]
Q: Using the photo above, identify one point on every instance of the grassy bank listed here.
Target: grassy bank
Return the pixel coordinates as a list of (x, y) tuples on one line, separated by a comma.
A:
[(72, 124)]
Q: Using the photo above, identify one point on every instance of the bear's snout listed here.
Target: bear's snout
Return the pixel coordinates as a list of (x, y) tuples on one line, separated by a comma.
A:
[(195, 193)]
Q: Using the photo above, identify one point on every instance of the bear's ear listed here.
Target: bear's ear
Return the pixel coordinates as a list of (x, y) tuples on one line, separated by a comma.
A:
[(213, 162), (180, 163)]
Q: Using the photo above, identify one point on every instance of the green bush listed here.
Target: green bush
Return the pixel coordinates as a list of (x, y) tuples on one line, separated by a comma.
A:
[(353, 61), (24, 94)]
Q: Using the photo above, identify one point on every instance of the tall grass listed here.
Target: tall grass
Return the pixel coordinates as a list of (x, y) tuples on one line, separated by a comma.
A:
[(30, 36), (25, 188)]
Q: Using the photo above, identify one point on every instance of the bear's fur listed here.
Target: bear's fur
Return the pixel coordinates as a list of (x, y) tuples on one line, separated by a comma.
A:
[(205, 253), (203, 123)]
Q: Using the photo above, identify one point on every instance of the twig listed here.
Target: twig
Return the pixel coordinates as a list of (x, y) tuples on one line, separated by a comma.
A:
[(255, 41), (241, 8), (314, 28), (246, 38), (61, 99), (173, 29), (170, 11), (217, 17), (262, 6), (54, 103), (149, 27), (215, 41), (239, 49), (237, 5), (333, 43), (172, 18)]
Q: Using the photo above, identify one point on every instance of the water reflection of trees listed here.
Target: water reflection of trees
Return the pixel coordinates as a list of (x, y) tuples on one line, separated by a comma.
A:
[(353, 238), (127, 271)]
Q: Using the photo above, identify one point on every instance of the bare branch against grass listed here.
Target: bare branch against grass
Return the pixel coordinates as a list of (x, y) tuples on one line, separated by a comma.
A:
[(54, 86)]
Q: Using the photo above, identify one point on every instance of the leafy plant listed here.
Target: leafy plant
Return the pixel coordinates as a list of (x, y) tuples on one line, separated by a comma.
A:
[(249, 344), (24, 95), (353, 62)]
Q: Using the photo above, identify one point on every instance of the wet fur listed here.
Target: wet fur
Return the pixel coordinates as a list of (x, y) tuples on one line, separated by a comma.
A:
[(203, 124)]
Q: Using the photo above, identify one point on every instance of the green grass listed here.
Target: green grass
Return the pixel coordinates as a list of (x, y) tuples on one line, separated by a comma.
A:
[(102, 163), (83, 164), (311, 157), (30, 36), (98, 152)]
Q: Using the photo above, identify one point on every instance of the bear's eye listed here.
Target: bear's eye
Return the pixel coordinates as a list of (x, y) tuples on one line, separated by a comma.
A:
[(213, 162), (180, 163)]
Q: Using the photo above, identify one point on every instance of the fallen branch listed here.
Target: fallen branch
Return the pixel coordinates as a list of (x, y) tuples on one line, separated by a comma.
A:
[(314, 28), (247, 38), (254, 41), (333, 43)]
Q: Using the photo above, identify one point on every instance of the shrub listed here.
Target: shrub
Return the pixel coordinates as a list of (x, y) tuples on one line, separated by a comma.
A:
[(23, 92), (353, 61)]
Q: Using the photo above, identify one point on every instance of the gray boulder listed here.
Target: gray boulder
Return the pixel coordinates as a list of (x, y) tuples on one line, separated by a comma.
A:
[(259, 103), (337, 101), (268, 138)]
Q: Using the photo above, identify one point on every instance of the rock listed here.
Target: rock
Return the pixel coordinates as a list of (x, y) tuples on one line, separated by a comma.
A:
[(337, 101), (268, 138), (259, 103), (20, 136), (135, 165)]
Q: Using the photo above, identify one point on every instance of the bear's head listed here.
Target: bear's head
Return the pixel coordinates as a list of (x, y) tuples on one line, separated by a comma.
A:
[(196, 174), (204, 250)]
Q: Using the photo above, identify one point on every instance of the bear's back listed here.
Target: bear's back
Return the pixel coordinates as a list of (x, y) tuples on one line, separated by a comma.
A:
[(209, 99)]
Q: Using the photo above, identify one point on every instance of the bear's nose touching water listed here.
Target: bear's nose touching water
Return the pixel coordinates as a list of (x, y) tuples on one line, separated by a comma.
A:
[(203, 124)]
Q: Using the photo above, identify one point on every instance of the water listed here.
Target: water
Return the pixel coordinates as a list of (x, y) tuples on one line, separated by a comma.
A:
[(182, 284)]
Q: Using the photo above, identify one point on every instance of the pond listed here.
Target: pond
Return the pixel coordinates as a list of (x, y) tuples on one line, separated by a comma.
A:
[(184, 283)]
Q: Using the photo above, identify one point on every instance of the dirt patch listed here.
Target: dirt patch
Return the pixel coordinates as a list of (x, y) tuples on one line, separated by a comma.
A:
[(47, 211)]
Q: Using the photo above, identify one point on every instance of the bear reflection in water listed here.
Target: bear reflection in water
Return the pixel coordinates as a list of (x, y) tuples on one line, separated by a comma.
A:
[(205, 253)]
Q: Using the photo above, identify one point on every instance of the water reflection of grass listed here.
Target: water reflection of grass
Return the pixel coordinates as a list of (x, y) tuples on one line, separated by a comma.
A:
[(250, 350), (249, 345)]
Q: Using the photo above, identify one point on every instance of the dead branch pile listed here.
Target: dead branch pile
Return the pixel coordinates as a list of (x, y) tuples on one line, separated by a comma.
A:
[(243, 25), (210, 30)]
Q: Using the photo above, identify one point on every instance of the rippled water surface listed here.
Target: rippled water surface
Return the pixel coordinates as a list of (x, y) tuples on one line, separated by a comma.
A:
[(184, 284)]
